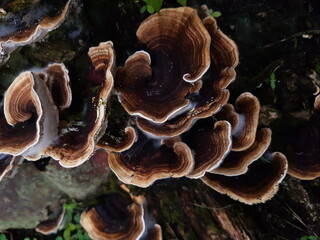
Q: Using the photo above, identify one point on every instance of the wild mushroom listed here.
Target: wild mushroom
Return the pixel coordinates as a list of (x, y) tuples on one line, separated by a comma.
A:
[(244, 120), (213, 93), (112, 219), (118, 145), (9, 43), (51, 226), (154, 86), (75, 147), (151, 159), (258, 185), (236, 163), (210, 143), (30, 120), (302, 150), (58, 82)]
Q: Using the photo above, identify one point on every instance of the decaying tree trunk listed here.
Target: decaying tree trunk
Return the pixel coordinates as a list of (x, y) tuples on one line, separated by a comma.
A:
[(187, 209)]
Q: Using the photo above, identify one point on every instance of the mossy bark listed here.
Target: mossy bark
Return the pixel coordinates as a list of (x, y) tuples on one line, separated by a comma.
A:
[(188, 209)]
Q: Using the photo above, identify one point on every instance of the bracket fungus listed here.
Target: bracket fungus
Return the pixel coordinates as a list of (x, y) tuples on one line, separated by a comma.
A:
[(114, 218), (258, 185), (156, 90), (28, 35), (212, 93), (51, 226), (150, 159), (170, 108), (210, 143), (30, 118), (75, 147)]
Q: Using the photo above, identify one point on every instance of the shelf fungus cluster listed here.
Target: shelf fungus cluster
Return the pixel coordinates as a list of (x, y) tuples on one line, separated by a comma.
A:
[(31, 124), (180, 124)]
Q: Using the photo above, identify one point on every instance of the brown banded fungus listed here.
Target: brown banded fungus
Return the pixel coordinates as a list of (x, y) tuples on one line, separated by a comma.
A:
[(302, 147), (236, 163), (213, 93), (151, 159), (210, 143), (25, 36), (244, 120), (75, 147), (258, 185), (118, 145), (216, 138), (154, 85), (113, 218), (58, 82), (302, 150), (30, 118), (51, 226)]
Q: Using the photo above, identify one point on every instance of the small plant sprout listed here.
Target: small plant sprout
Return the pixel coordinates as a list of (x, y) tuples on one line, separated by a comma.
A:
[(309, 238), (72, 229), (153, 6), (3, 236), (272, 80), (182, 2), (214, 14)]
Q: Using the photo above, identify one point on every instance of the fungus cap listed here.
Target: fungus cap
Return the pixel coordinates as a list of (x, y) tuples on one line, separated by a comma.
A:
[(113, 219), (75, 147), (259, 184), (211, 95), (236, 163), (210, 143), (30, 118), (156, 89), (32, 34), (149, 160)]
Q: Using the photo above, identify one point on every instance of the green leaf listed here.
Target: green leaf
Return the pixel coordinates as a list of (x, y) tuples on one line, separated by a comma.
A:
[(155, 4), (309, 238), (77, 218), (273, 81), (66, 234), (216, 14), (86, 236), (71, 226), (3, 236), (59, 238), (182, 2), (26, 239), (143, 9), (150, 9), (313, 238), (79, 235), (69, 206), (273, 76)]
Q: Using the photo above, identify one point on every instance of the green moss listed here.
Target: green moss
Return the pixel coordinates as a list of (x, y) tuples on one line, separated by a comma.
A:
[(172, 210), (19, 5), (206, 217), (317, 65)]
